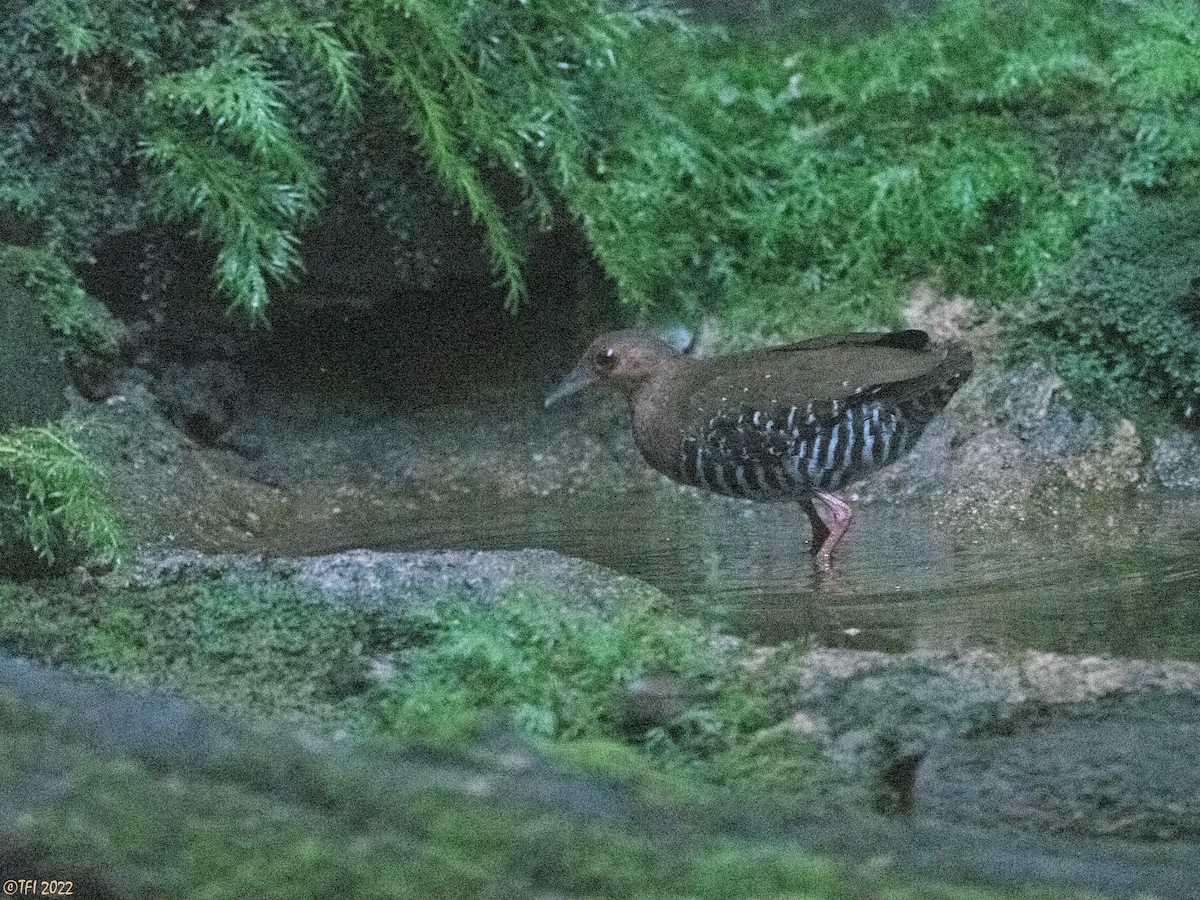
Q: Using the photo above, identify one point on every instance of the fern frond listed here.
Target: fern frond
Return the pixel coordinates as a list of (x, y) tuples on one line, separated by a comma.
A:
[(250, 215), (225, 156), (235, 96), (279, 23), (427, 70), (78, 26), (52, 496), (68, 308)]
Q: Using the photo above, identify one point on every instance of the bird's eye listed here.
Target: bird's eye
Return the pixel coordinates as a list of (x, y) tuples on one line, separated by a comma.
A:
[(606, 359)]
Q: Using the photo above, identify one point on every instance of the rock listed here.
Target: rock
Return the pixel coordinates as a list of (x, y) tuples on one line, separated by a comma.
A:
[(653, 701), (1084, 745), (32, 371), (1012, 442), (97, 372), (945, 318), (1051, 678), (879, 714), (1130, 768), (369, 579), (199, 399)]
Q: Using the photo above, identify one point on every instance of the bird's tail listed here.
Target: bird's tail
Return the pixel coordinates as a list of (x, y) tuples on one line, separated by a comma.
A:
[(924, 397)]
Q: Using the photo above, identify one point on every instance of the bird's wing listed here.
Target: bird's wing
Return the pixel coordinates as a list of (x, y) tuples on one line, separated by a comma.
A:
[(910, 339), (839, 368)]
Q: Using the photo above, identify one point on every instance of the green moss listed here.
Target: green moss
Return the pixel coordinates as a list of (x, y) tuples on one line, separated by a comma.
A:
[(433, 672), (268, 648), (1123, 325), (145, 830)]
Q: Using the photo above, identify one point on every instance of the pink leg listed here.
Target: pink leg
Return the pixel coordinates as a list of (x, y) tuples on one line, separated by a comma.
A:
[(827, 529)]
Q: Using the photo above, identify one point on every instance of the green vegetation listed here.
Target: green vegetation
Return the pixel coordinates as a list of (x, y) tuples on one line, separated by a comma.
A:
[(69, 309), (1031, 153), (391, 813), (51, 497), (259, 814), (435, 671), (811, 173), (570, 674), (234, 119), (1124, 322), (787, 180), (796, 179)]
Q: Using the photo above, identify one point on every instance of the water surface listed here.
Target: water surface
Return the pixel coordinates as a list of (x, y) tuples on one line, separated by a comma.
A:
[(1124, 582)]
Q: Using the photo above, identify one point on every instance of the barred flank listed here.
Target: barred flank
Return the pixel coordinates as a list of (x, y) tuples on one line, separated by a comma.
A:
[(787, 453)]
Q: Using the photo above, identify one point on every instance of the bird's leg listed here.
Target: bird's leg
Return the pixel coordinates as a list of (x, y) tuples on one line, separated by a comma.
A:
[(820, 530), (827, 530)]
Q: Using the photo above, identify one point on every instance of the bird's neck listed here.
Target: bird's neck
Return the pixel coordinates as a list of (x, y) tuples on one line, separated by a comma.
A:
[(657, 414)]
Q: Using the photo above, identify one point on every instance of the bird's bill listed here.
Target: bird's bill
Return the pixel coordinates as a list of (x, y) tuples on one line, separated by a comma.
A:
[(575, 382)]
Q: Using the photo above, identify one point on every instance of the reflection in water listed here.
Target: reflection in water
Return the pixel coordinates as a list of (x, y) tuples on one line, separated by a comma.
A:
[(899, 582)]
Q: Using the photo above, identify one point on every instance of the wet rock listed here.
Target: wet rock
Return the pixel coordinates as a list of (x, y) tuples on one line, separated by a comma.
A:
[(654, 701), (878, 715), (1011, 443), (945, 318), (31, 369), (1050, 678), (368, 579), (246, 445), (1043, 742), (1115, 467), (1127, 769), (199, 399)]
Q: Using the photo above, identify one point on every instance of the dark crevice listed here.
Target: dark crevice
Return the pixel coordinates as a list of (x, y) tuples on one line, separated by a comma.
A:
[(896, 786)]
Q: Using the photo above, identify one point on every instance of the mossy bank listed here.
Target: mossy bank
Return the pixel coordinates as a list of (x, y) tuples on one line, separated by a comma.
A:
[(518, 731)]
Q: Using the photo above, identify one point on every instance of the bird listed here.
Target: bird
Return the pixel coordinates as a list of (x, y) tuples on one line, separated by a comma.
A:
[(796, 422)]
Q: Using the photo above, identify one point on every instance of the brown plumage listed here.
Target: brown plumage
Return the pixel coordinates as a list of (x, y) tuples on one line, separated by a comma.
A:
[(785, 423)]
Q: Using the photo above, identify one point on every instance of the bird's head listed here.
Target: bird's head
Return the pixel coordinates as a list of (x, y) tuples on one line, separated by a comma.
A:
[(624, 359)]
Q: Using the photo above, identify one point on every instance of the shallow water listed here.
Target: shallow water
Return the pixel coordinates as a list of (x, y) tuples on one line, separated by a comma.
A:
[(1123, 582)]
